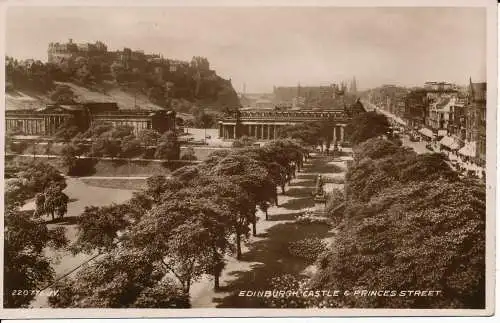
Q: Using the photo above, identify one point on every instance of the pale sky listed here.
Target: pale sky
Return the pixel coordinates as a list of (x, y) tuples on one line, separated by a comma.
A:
[(278, 46)]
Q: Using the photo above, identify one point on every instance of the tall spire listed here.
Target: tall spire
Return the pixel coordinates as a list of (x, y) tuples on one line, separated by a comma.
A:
[(354, 88), (471, 89)]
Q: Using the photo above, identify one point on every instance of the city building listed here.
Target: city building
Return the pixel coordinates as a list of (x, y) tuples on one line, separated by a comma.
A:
[(415, 108), (61, 52), (475, 131), (47, 120), (265, 124), (457, 119)]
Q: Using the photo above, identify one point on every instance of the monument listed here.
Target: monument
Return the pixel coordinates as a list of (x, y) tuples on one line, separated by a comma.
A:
[(319, 196)]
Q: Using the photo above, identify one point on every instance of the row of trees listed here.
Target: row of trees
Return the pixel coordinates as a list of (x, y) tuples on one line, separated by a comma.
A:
[(177, 229), (410, 223), (360, 128), (106, 140)]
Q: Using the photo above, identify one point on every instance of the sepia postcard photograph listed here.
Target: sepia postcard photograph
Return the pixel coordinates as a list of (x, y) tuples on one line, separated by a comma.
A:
[(248, 158)]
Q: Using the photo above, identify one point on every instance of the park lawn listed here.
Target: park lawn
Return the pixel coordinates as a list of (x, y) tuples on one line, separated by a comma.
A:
[(134, 184)]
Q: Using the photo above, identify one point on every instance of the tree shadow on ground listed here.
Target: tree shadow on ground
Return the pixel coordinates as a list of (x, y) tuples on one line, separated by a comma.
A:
[(302, 191), (298, 203), (324, 168), (308, 177), (284, 216), (274, 260), (306, 182)]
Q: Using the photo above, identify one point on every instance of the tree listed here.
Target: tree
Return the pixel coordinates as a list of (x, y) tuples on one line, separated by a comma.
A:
[(52, 201), (63, 94), (148, 137), (264, 206), (168, 147), (251, 176), (38, 176), (243, 141), (438, 227), (105, 147), (123, 278), (26, 267), (189, 154), (99, 227), (232, 218), (408, 221), (68, 130), (97, 129), (130, 147), (177, 233), (155, 186), (69, 157), (365, 126)]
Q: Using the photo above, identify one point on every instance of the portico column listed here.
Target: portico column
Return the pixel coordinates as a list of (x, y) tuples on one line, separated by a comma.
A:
[(334, 133), (233, 132), (261, 131), (342, 133)]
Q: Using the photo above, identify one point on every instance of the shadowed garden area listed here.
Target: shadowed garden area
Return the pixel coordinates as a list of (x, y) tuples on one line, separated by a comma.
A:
[(273, 260)]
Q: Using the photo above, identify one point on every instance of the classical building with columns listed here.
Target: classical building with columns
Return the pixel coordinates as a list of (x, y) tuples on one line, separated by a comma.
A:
[(265, 124), (47, 121)]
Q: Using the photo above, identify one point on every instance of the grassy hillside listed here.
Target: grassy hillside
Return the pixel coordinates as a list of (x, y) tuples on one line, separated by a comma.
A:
[(124, 98), (143, 83)]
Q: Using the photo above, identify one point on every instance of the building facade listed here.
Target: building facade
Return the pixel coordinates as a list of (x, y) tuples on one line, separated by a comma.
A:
[(415, 109), (266, 124), (475, 131), (60, 52), (48, 120)]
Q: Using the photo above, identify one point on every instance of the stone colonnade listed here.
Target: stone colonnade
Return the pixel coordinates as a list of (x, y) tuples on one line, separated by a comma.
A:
[(266, 131), (46, 125)]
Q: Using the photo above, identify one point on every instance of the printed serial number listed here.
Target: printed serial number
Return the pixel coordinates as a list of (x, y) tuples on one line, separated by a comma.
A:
[(31, 292)]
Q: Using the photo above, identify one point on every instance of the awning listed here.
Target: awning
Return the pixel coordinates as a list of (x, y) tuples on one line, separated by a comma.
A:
[(427, 132), (468, 150), (449, 142), (400, 121), (442, 133)]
